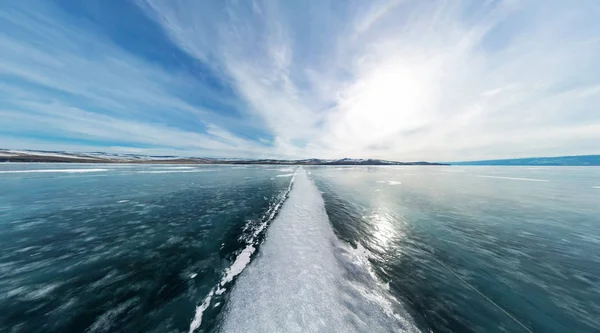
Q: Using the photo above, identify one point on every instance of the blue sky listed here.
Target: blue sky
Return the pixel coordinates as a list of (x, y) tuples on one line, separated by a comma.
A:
[(401, 80)]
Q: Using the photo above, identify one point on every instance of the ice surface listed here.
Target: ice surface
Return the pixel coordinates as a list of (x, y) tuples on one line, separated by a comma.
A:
[(298, 283)]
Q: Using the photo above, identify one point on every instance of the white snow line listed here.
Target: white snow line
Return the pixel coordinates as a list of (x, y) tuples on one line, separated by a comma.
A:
[(54, 171), (515, 178), (485, 297)]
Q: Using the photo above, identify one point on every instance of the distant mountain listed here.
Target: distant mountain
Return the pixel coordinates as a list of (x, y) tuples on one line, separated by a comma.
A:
[(343, 161), (100, 157), (581, 160), (350, 161), (93, 157)]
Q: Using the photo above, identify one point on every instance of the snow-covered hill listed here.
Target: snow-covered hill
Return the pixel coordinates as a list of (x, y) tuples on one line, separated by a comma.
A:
[(101, 157)]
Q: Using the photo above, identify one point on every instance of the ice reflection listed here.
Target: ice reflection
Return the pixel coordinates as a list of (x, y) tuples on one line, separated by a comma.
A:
[(386, 228)]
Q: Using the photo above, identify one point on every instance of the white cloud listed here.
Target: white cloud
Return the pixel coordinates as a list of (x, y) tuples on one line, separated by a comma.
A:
[(401, 80), (407, 80), (80, 124), (57, 87)]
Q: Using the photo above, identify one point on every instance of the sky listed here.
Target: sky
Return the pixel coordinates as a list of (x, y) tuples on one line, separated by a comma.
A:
[(400, 80)]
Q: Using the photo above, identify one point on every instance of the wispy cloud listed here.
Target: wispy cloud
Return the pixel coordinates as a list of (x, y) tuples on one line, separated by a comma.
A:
[(403, 80), (72, 85), (407, 79)]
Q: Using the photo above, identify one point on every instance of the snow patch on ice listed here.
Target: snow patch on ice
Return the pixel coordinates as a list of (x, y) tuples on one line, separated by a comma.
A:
[(389, 182), (299, 283), (200, 311), (242, 259), (175, 167), (173, 171)]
